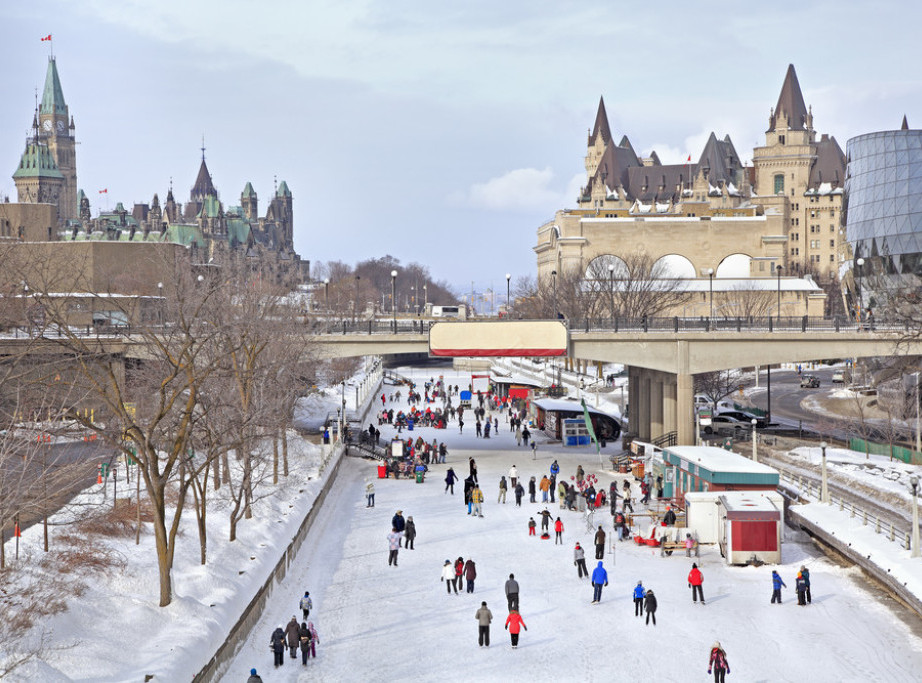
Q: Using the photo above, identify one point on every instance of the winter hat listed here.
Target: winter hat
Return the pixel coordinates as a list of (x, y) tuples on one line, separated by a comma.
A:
[(410, 518), (694, 566), (484, 603), (716, 645), (640, 583), (447, 561), (252, 672)]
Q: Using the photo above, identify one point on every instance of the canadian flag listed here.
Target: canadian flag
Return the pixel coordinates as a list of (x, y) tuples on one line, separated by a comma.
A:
[(106, 191), (48, 37), (689, 158)]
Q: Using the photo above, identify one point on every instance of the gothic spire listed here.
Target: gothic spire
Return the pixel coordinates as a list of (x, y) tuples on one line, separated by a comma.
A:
[(791, 102), (53, 95), (905, 125), (601, 125)]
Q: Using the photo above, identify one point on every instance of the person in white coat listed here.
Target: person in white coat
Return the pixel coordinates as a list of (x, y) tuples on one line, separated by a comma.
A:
[(513, 476), (448, 576)]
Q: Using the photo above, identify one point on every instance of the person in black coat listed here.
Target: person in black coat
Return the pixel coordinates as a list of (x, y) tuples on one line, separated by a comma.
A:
[(304, 635), (450, 479), (519, 492), (399, 523), (649, 604), (277, 642), (532, 489), (468, 490), (410, 533)]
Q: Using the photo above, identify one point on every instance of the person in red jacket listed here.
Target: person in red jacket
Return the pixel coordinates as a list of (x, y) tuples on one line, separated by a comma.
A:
[(695, 579), (718, 663), (558, 532), (514, 624)]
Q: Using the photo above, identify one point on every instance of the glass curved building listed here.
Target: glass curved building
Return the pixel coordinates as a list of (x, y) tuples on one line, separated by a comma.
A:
[(883, 215)]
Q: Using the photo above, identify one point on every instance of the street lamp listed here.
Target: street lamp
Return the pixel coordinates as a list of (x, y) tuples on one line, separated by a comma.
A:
[(778, 269), (859, 263), (394, 297), (554, 276), (160, 303), (710, 272), (425, 298), (355, 303), (611, 291), (824, 491), (326, 293), (508, 278), (914, 484), (755, 453)]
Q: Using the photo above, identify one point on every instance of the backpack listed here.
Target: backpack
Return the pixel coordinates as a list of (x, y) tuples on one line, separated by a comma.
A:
[(306, 603)]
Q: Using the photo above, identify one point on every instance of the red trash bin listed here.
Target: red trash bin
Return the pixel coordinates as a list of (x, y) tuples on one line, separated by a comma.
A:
[(382, 471)]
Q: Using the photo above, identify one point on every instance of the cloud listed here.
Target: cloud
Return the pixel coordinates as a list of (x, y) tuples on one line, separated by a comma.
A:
[(522, 189)]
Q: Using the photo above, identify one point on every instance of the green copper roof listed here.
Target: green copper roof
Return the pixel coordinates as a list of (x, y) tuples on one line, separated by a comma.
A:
[(238, 230), (80, 196), (211, 207), (184, 234), (283, 190), (37, 162), (53, 97), (248, 191)]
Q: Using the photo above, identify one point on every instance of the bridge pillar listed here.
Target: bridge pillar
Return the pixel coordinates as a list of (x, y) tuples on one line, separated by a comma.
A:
[(685, 412), (656, 405), (669, 404)]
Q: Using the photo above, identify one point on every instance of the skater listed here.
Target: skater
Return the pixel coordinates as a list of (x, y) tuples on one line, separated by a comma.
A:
[(519, 493), (599, 579), (512, 592), (468, 490), (638, 599), (473, 466), (478, 428), (277, 642), (806, 574), (531, 490), (450, 479), (627, 498), (579, 559), (502, 491), (370, 494), (304, 640), (470, 573), (545, 519), (460, 425), (486, 429), (393, 544), (718, 663), (558, 531), (518, 436), (695, 579), (293, 633), (448, 576), (315, 639), (580, 474), (545, 486), (649, 605), (553, 486), (399, 523), (513, 476), (689, 545), (477, 500), (306, 604), (526, 435), (459, 573), (409, 533), (599, 543), (555, 469), (777, 583), (483, 617), (531, 526), (254, 677), (801, 587), (561, 494), (514, 624)]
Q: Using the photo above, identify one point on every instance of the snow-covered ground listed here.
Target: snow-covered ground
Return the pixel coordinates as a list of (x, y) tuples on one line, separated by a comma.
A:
[(398, 624)]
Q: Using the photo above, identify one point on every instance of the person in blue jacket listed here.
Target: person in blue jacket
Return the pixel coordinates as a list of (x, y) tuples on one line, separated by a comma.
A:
[(638, 599), (599, 579), (555, 469), (777, 583)]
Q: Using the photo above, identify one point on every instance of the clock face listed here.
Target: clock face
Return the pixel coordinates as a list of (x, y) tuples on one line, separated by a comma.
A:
[(60, 126), (47, 124)]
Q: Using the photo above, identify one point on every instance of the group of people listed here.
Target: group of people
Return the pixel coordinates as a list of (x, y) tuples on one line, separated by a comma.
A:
[(801, 586), (454, 575), (293, 637)]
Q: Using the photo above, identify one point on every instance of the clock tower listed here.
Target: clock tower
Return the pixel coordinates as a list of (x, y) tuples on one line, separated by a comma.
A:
[(56, 130)]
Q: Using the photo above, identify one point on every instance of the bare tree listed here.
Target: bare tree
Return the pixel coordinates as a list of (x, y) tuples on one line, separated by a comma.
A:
[(716, 385)]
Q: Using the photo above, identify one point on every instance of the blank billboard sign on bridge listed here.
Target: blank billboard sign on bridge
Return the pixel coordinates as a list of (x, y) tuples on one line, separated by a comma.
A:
[(506, 338)]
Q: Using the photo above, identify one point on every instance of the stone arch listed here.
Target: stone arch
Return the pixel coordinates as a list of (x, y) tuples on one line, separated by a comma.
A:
[(598, 267), (734, 265), (674, 266)]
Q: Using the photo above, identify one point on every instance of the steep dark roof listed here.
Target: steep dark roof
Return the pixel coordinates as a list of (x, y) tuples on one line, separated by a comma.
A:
[(601, 125), (829, 166), (53, 96), (905, 125), (791, 102), (203, 185), (721, 160), (613, 167), (647, 183)]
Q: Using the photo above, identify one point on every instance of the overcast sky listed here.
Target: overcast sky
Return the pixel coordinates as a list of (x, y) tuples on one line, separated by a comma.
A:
[(442, 133)]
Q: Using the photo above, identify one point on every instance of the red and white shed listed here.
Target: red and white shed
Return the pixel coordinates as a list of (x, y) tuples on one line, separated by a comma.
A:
[(750, 526)]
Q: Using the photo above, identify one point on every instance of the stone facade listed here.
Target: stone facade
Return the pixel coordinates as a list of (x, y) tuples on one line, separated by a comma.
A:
[(781, 211)]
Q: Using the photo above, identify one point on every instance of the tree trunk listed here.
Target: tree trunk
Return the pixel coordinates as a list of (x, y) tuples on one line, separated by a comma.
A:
[(275, 460), (284, 452), (225, 466), (163, 554)]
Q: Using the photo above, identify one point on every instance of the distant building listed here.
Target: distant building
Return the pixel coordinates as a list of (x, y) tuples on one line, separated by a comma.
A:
[(47, 175), (783, 211)]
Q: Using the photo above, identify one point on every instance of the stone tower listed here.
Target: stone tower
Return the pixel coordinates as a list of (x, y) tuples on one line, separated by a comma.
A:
[(250, 203), (37, 178), (56, 130)]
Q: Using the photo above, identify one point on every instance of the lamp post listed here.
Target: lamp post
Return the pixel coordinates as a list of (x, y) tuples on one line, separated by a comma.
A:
[(914, 485), (326, 293), (824, 491), (611, 291), (918, 434), (426, 298), (755, 452), (342, 421), (355, 302), (554, 276), (710, 273), (859, 263), (394, 297), (508, 278), (160, 303), (778, 269)]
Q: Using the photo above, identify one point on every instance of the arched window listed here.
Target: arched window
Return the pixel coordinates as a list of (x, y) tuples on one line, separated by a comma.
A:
[(779, 183)]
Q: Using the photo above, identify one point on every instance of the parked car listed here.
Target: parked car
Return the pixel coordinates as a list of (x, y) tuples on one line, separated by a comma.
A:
[(840, 377), (809, 382), (747, 418), (722, 423)]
